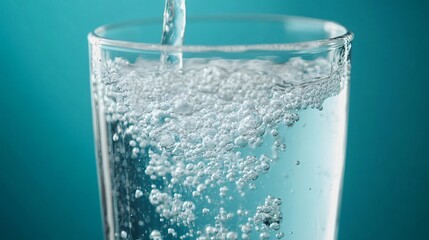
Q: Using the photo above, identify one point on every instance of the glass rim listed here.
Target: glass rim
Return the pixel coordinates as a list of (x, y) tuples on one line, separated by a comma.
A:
[(95, 37)]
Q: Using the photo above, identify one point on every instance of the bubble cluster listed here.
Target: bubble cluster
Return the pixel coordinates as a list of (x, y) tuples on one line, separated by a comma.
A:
[(173, 208), (268, 217), (192, 132)]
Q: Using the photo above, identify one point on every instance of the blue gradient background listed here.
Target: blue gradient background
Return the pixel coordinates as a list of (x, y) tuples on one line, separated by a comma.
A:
[(48, 183)]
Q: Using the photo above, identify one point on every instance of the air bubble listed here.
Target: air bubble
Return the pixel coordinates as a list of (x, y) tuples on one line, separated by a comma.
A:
[(183, 107), (136, 151), (240, 141), (166, 141), (138, 193), (223, 191), (231, 236), (115, 137), (201, 187), (206, 211), (274, 132), (280, 235), (246, 228), (277, 201), (172, 232), (208, 142), (210, 230), (290, 119), (264, 236), (155, 235), (265, 166), (275, 226)]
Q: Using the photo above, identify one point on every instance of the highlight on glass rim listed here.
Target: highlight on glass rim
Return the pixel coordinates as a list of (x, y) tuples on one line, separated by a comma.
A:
[(239, 134)]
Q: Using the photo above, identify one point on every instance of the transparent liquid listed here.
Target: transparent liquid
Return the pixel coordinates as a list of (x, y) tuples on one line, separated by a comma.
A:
[(225, 149), (173, 31)]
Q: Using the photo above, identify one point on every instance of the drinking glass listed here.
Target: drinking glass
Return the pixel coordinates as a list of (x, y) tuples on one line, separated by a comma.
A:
[(244, 138)]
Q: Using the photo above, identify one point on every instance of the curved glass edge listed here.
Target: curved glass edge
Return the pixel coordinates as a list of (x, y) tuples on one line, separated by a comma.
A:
[(94, 38)]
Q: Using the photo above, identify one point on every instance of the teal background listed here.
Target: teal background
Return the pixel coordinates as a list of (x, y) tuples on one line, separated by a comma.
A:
[(48, 182)]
